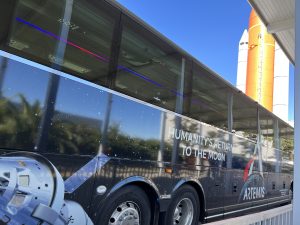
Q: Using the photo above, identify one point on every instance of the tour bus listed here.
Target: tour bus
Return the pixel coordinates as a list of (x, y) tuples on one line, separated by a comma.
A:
[(105, 121)]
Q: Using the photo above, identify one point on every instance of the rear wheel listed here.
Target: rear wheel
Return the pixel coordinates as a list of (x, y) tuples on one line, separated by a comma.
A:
[(184, 208), (129, 206)]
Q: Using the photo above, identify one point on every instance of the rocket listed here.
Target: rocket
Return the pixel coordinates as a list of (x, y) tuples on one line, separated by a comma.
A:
[(260, 68), (263, 69), (281, 84), (242, 62)]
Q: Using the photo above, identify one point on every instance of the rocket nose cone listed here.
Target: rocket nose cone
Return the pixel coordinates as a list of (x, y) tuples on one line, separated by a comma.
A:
[(244, 37), (253, 19), (252, 14)]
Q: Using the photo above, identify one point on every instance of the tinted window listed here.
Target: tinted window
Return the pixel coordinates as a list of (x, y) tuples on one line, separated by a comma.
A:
[(22, 104), (75, 37), (90, 36), (126, 138), (188, 88), (68, 121), (286, 135), (209, 101), (76, 122), (244, 113), (266, 125), (148, 68), (44, 112), (6, 13), (33, 29)]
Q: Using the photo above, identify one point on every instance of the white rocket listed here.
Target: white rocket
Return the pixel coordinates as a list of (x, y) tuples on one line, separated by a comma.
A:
[(281, 84), (242, 62)]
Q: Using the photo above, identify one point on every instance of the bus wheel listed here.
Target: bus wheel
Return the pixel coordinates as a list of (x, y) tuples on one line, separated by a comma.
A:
[(184, 208), (129, 206)]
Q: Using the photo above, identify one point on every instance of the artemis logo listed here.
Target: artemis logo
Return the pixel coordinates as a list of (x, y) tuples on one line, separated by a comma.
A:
[(254, 193)]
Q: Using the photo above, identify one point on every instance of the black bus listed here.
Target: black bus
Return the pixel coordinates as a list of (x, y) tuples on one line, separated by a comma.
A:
[(105, 121)]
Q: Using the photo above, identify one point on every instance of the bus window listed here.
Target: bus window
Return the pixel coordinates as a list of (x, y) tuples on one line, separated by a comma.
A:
[(75, 38), (209, 102), (244, 113), (91, 32), (148, 69), (266, 125), (75, 125), (6, 13), (32, 24), (287, 146), (286, 135), (22, 104)]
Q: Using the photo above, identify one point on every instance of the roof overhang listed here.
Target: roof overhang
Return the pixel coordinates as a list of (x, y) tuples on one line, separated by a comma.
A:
[(279, 18)]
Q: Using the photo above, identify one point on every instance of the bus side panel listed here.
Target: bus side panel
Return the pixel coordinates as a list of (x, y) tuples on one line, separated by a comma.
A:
[(278, 184)]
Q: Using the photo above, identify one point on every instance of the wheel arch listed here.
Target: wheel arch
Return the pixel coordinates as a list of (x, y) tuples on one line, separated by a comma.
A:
[(138, 180), (199, 188), (148, 187)]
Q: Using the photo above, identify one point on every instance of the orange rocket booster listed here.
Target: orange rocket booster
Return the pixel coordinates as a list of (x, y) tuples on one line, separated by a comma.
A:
[(260, 68)]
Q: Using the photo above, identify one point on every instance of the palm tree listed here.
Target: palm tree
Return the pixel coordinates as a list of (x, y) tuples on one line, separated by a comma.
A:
[(18, 123), (67, 137)]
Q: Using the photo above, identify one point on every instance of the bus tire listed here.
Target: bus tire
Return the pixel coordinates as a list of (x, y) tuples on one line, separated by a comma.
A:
[(184, 207), (129, 205)]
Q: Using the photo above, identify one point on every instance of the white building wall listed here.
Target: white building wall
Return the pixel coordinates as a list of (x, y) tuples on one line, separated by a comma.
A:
[(281, 84), (242, 62)]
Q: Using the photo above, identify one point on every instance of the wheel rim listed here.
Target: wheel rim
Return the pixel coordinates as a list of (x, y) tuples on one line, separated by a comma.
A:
[(126, 213), (184, 212)]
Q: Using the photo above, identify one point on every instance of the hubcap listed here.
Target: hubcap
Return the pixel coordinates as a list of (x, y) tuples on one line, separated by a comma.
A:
[(184, 212), (126, 213)]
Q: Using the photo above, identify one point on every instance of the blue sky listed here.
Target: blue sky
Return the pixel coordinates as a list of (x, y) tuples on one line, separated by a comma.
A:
[(208, 30)]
